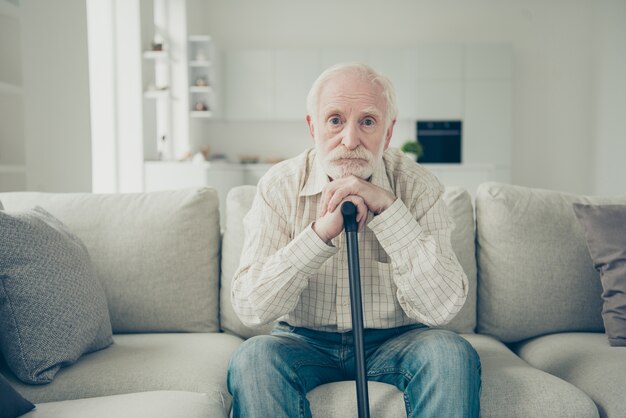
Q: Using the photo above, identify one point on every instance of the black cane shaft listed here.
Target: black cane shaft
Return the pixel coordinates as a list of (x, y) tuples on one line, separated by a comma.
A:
[(349, 212)]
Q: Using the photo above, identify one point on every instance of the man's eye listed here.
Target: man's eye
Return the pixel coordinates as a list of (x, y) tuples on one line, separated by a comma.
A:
[(334, 120), (368, 122)]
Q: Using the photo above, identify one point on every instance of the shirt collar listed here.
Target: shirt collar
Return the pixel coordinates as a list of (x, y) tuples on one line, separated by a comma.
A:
[(317, 178)]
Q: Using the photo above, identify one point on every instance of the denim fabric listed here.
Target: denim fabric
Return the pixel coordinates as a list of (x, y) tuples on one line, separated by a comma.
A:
[(437, 370)]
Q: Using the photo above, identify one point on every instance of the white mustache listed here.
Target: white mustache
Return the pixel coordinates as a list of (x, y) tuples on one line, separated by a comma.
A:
[(357, 153)]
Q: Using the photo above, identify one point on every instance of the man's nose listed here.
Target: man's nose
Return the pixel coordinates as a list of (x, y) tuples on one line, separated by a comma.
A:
[(350, 138)]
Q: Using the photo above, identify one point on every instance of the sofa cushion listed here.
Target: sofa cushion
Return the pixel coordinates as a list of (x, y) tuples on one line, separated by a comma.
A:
[(238, 203), (338, 399), (157, 404), (535, 273), (587, 361), (513, 389), (194, 362), (156, 254), (12, 404), (460, 208), (53, 307), (510, 389), (605, 230)]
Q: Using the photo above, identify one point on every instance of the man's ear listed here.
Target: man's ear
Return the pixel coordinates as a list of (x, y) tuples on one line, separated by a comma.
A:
[(309, 121), (389, 134)]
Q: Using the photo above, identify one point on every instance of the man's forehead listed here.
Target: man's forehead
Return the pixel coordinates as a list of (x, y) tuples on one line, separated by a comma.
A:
[(349, 90)]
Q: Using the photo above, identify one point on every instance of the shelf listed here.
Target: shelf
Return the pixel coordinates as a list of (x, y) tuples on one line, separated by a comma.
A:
[(155, 55), (200, 89), (9, 9), (156, 94), (8, 88), (200, 113)]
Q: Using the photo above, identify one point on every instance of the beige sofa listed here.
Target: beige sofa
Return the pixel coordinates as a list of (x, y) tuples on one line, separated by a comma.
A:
[(533, 313)]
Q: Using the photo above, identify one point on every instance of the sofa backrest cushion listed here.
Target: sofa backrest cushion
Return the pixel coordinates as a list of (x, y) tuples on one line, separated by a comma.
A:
[(535, 275), (238, 203), (156, 254)]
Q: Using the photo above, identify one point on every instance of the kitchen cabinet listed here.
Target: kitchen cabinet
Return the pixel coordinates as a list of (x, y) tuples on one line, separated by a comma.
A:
[(301, 68), (249, 84)]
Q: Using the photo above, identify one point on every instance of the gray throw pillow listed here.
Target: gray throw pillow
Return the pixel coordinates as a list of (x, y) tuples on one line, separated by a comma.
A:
[(605, 232), (53, 307)]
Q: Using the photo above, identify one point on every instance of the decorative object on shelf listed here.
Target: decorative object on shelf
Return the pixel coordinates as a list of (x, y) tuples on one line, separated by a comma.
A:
[(197, 157), (201, 55), (218, 158), (413, 149), (206, 152), (200, 107), (157, 43), (201, 81), (248, 159)]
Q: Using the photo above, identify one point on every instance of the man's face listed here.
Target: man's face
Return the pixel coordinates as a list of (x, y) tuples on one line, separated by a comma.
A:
[(350, 129)]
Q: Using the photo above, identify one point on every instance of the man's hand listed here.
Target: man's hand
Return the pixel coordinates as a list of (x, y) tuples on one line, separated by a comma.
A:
[(329, 225), (335, 192)]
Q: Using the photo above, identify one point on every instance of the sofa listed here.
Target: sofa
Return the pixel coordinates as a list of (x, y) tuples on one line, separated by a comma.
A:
[(533, 312)]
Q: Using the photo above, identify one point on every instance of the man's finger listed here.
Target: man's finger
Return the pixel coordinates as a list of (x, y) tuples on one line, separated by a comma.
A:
[(338, 196)]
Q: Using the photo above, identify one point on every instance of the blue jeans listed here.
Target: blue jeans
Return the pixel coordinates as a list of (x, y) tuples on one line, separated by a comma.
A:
[(438, 371)]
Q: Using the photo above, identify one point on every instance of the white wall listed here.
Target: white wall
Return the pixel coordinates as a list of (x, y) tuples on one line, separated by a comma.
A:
[(609, 100), (56, 95), (552, 48), (568, 86)]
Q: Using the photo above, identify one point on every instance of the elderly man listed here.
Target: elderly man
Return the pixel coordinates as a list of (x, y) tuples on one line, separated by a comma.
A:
[(293, 266)]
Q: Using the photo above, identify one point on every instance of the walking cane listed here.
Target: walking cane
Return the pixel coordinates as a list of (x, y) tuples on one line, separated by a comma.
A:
[(348, 210)]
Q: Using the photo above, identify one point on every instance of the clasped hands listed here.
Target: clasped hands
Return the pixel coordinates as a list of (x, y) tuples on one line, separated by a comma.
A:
[(365, 196)]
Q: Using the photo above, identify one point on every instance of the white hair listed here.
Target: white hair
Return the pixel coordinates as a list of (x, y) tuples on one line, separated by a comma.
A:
[(366, 72)]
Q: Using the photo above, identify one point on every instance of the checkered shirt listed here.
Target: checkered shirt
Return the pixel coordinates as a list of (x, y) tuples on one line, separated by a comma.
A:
[(409, 273)]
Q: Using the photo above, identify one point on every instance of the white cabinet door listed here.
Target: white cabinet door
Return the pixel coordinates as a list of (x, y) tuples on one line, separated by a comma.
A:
[(249, 84), (487, 127), (439, 99), (439, 81), (399, 66), (439, 62), (295, 72), (488, 62)]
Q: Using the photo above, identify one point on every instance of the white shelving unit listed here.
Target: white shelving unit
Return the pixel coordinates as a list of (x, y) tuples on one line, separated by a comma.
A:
[(201, 76), (158, 90), (12, 146)]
